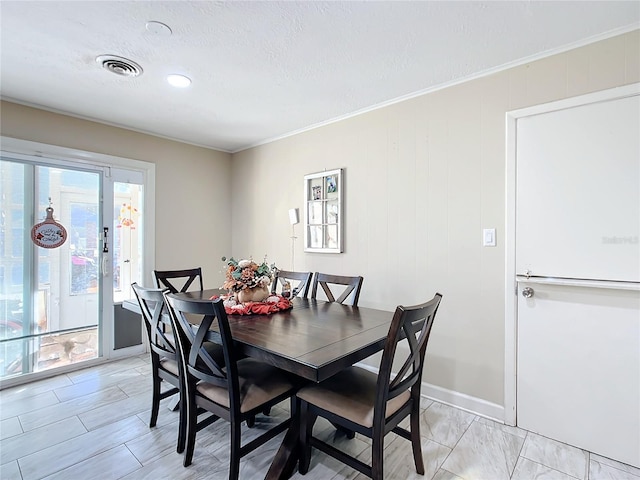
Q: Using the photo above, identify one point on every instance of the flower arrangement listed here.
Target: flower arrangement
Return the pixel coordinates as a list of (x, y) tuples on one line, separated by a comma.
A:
[(247, 283), (244, 274)]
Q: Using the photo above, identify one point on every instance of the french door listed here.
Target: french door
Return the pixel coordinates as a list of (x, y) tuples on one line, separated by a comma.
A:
[(56, 302)]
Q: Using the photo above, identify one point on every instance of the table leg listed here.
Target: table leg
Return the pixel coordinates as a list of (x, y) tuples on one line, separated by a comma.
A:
[(286, 458)]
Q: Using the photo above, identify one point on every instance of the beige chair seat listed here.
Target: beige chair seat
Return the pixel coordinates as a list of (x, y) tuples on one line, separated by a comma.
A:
[(169, 365), (350, 394), (259, 383)]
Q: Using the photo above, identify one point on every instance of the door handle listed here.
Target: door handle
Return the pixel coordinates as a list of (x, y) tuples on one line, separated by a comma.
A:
[(527, 292), (105, 266)]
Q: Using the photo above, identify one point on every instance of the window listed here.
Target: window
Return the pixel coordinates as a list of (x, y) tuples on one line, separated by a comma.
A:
[(323, 211)]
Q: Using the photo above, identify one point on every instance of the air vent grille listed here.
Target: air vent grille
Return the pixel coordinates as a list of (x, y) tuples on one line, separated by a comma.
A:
[(119, 65)]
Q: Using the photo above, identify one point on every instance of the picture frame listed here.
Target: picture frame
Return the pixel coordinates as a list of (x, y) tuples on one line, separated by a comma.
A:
[(323, 215)]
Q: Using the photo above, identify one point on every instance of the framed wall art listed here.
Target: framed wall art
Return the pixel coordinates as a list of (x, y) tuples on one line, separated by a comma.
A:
[(323, 218)]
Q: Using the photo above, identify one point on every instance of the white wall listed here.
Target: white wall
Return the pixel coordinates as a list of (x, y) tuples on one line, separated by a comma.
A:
[(422, 179)]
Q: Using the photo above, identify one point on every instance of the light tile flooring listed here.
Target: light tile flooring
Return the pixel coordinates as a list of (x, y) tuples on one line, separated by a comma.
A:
[(93, 424)]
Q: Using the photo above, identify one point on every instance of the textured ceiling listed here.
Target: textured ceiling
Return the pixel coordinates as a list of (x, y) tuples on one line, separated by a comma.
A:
[(263, 70)]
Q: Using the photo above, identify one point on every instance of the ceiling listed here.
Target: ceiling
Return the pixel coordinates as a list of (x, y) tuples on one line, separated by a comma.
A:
[(263, 70)]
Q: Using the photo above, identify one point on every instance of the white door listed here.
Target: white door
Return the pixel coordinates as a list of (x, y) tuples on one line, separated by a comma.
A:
[(577, 263), (578, 378)]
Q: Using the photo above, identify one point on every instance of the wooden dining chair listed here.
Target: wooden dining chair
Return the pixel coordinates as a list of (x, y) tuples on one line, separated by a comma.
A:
[(373, 405), (329, 285), (178, 281), (300, 289), (235, 390), (164, 357)]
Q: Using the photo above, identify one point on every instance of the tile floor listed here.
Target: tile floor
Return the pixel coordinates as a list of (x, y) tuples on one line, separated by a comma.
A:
[(93, 424)]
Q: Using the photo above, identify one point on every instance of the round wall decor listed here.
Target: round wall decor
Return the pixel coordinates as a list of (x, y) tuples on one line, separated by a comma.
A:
[(48, 233)]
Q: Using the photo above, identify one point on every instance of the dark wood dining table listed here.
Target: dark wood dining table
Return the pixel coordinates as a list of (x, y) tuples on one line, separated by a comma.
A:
[(314, 340)]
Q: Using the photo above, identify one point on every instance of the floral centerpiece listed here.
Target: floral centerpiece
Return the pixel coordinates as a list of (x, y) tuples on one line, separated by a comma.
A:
[(244, 274), (248, 285)]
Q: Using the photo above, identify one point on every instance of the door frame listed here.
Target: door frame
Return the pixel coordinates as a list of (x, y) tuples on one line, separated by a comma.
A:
[(511, 286), (64, 156)]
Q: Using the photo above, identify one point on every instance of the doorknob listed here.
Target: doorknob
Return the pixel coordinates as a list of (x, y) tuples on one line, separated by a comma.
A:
[(527, 292)]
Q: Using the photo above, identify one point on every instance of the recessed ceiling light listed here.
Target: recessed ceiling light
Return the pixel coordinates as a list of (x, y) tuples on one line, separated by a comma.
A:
[(179, 81), (158, 28)]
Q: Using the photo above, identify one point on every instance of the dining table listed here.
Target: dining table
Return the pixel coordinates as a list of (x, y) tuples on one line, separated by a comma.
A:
[(314, 340)]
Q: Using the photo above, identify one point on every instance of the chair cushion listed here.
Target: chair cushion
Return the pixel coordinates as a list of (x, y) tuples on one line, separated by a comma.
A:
[(259, 383), (351, 394), (170, 366)]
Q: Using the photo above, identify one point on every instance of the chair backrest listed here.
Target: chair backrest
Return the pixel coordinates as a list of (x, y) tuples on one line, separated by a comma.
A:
[(353, 286), (197, 361), (299, 290), (151, 303), (178, 281), (413, 323)]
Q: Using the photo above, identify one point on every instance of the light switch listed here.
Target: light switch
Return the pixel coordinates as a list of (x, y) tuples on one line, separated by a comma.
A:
[(489, 237)]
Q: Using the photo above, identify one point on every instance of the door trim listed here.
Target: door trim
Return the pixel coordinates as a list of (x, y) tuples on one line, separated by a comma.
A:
[(510, 313)]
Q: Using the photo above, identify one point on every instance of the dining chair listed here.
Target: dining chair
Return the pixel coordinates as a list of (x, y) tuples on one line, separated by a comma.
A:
[(373, 404), (164, 358), (235, 390), (301, 289), (326, 281), (178, 281)]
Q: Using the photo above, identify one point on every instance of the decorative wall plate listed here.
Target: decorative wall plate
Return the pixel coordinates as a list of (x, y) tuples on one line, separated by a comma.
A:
[(48, 233)]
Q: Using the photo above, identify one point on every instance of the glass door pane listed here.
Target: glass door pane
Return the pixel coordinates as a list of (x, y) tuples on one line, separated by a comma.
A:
[(49, 297), (127, 239)]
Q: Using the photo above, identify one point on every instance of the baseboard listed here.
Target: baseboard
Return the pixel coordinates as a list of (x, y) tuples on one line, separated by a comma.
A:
[(471, 404), (128, 351), (463, 401)]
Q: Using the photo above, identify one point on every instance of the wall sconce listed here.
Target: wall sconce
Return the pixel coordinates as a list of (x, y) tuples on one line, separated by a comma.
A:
[(293, 216), (293, 220)]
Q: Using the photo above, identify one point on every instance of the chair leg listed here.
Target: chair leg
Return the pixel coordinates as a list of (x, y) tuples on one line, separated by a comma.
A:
[(415, 438), (182, 425), (251, 421), (234, 465), (350, 434), (306, 429), (192, 420), (377, 457), (155, 401)]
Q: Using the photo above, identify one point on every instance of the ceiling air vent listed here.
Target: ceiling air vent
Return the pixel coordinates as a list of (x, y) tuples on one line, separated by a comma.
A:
[(119, 65)]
